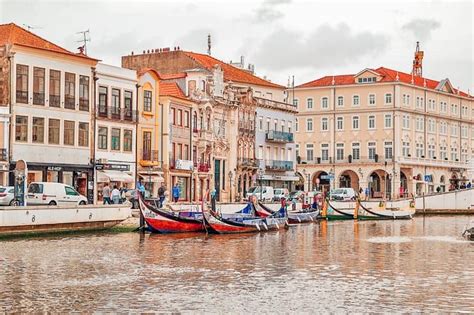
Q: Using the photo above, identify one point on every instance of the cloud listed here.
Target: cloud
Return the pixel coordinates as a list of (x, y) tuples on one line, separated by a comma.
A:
[(422, 28), (323, 48), (268, 11), (196, 40)]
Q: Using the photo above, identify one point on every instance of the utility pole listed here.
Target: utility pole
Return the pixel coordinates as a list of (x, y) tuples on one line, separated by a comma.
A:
[(85, 38)]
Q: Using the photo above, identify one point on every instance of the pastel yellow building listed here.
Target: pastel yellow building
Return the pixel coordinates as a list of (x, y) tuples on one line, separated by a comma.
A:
[(391, 132)]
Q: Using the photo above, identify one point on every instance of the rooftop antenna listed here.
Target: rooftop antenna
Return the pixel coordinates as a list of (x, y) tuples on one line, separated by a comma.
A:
[(31, 27), (85, 38), (417, 70), (209, 44)]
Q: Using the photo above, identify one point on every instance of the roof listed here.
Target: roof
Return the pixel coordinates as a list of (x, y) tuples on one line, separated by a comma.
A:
[(388, 75), (172, 76), (231, 73), (171, 89), (15, 35)]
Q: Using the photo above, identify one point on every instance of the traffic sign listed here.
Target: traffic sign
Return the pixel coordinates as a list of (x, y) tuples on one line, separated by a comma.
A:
[(327, 177)]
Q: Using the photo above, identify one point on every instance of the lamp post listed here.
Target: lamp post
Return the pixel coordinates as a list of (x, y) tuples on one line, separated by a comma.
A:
[(260, 176), (231, 179), (304, 176)]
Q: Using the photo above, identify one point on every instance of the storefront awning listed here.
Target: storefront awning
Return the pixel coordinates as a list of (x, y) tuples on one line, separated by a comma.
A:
[(154, 178), (280, 178), (114, 176)]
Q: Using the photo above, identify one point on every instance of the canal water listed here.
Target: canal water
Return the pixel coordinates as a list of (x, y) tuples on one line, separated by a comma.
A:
[(422, 265)]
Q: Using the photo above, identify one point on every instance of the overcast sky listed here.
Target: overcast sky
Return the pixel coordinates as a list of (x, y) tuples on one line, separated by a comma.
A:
[(307, 39)]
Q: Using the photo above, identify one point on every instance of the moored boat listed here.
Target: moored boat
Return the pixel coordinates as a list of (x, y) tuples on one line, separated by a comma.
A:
[(468, 233), (383, 213)]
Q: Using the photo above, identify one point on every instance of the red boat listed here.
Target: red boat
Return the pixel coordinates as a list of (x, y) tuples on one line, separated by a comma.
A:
[(164, 221)]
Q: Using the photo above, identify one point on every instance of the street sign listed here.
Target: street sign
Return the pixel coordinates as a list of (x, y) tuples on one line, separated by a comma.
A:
[(330, 177)]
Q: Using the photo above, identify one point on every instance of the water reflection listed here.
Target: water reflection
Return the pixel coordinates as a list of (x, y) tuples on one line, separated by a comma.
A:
[(419, 265)]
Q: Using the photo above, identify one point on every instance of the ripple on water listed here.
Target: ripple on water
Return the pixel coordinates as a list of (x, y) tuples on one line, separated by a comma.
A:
[(389, 239)]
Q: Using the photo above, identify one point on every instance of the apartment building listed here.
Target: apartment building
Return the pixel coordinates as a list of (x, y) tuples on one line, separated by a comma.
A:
[(115, 126), (49, 100), (383, 129)]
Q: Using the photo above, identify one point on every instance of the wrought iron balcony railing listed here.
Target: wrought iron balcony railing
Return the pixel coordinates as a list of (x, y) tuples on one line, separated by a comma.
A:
[(279, 136), (115, 113), (278, 165)]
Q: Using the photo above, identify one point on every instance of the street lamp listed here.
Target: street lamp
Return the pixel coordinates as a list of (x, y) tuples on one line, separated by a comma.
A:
[(231, 179)]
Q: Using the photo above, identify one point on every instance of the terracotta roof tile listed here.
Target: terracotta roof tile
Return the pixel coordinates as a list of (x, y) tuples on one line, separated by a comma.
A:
[(15, 35), (172, 76), (388, 75), (231, 73), (171, 89)]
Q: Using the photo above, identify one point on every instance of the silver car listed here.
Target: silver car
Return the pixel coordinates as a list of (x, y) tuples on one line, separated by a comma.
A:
[(7, 195)]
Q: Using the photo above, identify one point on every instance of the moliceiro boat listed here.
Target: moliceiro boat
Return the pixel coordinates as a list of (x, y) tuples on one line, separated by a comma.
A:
[(303, 215), (47, 219)]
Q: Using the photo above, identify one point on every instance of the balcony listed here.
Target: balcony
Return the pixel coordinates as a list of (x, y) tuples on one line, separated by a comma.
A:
[(22, 97), (432, 162), (279, 136), (263, 102), (114, 113), (184, 165), (202, 167), (54, 101), (150, 158), (246, 131), (3, 155), (38, 98), (69, 102), (348, 159), (276, 165), (84, 104), (248, 162)]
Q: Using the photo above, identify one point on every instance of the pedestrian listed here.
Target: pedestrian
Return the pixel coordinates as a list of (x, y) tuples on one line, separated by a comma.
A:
[(161, 193), (141, 188), (438, 189), (469, 185), (176, 192), (115, 195), (106, 194), (367, 192), (402, 191), (371, 192)]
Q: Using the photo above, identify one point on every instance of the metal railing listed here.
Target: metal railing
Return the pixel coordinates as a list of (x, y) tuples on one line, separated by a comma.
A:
[(279, 136), (249, 162), (38, 98), (151, 155), (278, 165), (3, 155), (54, 101), (275, 104), (115, 113), (69, 102), (84, 105), (22, 97), (202, 167)]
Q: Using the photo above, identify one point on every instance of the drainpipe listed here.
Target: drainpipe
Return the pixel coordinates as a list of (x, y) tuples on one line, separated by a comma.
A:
[(137, 86), (394, 188), (10, 119), (94, 132), (425, 132)]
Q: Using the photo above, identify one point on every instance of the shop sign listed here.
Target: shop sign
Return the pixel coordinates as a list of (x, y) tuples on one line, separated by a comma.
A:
[(114, 167), (186, 165), (54, 168), (429, 178)]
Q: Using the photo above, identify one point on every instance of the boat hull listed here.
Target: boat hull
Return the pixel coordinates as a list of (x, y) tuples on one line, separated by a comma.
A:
[(302, 217)]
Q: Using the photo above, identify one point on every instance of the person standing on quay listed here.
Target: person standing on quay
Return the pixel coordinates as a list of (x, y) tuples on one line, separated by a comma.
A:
[(176, 192), (106, 194), (161, 194), (115, 195)]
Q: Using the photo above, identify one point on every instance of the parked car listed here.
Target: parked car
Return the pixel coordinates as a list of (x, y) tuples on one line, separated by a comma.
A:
[(46, 193), (7, 196), (343, 194), (264, 193), (296, 194), (280, 193)]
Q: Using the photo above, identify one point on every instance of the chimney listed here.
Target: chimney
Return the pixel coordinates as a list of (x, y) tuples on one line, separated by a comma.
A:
[(242, 61)]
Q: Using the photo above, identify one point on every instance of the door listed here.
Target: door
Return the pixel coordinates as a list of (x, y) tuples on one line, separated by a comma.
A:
[(71, 196), (35, 193), (217, 178)]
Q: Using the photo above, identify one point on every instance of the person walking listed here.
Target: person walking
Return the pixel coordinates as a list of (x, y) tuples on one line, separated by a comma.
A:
[(367, 192), (176, 192), (115, 195), (106, 194), (161, 194)]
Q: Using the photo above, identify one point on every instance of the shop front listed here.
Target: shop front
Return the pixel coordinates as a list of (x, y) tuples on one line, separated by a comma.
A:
[(278, 181), (114, 175), (151, 178), (80, 177)]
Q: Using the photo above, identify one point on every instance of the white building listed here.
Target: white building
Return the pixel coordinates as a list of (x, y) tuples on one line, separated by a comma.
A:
[(115, 127)]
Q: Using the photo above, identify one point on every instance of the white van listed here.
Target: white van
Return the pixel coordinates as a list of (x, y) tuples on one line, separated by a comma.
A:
[(280, 193), (46, 193), (343, 194), (266, 194)]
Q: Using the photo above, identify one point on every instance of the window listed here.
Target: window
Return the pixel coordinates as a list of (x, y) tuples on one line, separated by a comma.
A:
[(340, 101), (309, 103), (355, 122), (173, 117), (179, 120), (324, 152), (356, 151), (70, 91), (21, 128), (38, 86), (309, 152), (22, 84), (147, 95), (69, 127), (127, 102), (103, 138), (186, 119), (443, 128), (406, 149), (103, 101), (290, 124), (127, 140), (339, 151), (372, 147), (443, 106), (443, 152), (454, 152), (355, 100), (388, 98), (84, 93), (309, 124), (388, 146), (419, 102), (431, 125), (38, 130), (283, 123), (70, 191), (268, 124), (431, 150), (406, 99), (115, 139), (260, 123), (54, 126), (388, 121), (295, 102), (296, 124), (454, 130), (420, 150), (371, 122), (406, 121), (464, 131), (371, 99), (275, 124), (340, 123), (54, 88), (297, 148), (324, 124), (146, 143), (324, 103), (83, 134), (419, 124), (115, 108)]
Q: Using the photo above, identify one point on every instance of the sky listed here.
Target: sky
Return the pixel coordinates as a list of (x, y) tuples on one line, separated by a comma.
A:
[(281, 38)]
